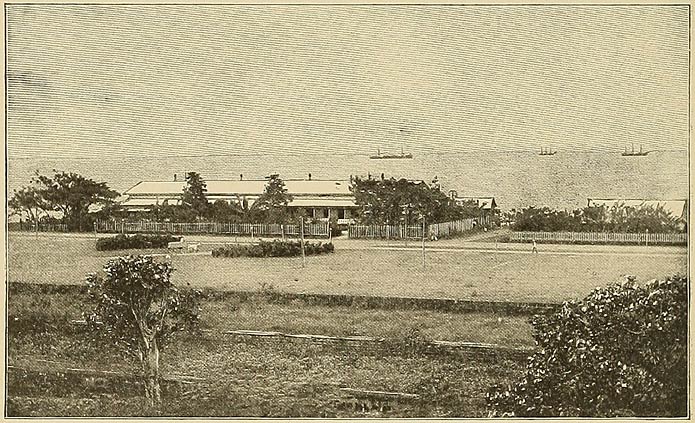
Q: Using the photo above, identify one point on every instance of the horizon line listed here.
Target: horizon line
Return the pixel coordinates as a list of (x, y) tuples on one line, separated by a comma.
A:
[(9, 157)]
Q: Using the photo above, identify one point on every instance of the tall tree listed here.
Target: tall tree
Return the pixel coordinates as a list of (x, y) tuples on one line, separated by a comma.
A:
[(394, 201), (272, 205), (28, 202), (138, 308), (73, 195), (195, 194)]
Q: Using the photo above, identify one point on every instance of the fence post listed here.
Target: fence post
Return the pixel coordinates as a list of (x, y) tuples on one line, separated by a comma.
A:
[(301, 232), (423, 243)]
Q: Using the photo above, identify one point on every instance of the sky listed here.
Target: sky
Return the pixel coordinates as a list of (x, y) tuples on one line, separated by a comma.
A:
[(117, 80)]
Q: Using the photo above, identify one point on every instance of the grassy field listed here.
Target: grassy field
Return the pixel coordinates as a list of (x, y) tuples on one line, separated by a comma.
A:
[(553, 276), (239, 376), (247, 376)]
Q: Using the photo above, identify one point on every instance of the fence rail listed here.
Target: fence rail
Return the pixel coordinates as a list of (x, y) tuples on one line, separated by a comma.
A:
[(601, 237), (384, 231), (446, 229), (433, 231), (42, 227), (318, 230)]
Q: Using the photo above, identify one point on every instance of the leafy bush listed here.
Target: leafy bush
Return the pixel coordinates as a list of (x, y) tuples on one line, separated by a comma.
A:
[(622, 351), (137, 307), (124, 242), (274, 248), (618, 218), (336, 231)]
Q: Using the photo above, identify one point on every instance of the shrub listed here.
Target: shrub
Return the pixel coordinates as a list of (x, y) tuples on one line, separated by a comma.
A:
[(336, 231), (274, 248), (137, 307), (622, 351), (619, 218), (124, 242)]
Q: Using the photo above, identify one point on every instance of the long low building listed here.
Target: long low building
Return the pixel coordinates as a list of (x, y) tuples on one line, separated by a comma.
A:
[(320, 199)]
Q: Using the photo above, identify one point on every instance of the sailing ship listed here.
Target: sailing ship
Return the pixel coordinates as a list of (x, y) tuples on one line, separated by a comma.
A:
[(633, 152), (547, 152), (391, 156)]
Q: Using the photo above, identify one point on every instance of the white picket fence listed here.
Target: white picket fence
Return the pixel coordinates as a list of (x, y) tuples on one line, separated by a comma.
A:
[(601, 237), (385, 231), (433, 231), (42, 227), (445, 229), (318, 230)]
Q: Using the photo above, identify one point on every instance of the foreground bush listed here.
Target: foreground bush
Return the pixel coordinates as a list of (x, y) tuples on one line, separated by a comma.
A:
[(275, 248), (622, 351), (124, 242), (138, 308)]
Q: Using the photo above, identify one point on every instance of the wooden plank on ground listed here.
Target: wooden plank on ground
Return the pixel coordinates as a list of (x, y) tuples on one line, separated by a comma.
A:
[(365, 393)]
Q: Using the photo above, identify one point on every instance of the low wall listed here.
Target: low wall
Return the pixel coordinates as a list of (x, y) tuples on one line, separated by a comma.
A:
[(359, 301)]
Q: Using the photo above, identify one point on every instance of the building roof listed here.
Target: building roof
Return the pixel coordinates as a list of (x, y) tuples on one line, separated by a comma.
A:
[(322, 202), (249, 187), (136, 204), (143, 203), (677, 208), (485, 203)]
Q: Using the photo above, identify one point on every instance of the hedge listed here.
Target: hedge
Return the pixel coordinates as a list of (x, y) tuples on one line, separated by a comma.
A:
[(124, 242), (620, 352), (275, 248)]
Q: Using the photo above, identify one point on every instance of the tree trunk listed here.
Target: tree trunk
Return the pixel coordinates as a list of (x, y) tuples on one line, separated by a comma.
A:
[(150, 367)]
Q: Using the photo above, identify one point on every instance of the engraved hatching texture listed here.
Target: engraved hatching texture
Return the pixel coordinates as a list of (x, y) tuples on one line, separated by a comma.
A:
[(119, 93), (174, 80)]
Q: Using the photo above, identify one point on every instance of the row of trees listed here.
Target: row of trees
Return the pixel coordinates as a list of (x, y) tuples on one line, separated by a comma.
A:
[(617, 218), (77, 201)]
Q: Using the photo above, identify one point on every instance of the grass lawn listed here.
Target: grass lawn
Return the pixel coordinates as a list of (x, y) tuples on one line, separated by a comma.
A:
[(470, 274), (239, 376)]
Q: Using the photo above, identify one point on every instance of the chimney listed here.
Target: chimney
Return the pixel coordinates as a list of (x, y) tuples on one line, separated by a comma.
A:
[(241, 176), (310, 176)]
